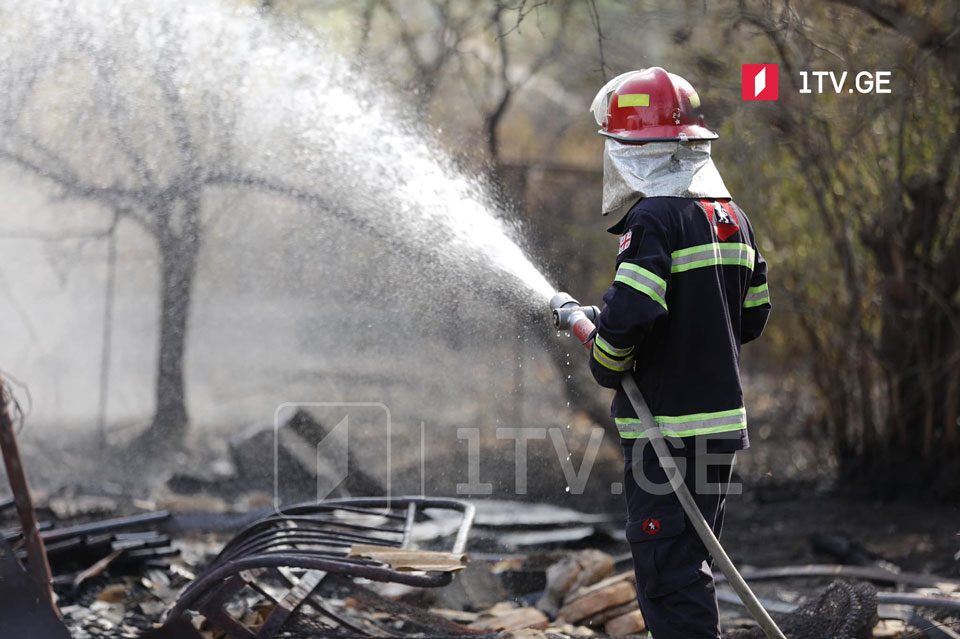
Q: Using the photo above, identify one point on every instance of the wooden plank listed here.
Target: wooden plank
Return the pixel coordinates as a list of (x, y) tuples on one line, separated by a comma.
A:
[(513, 619), (410, 560), (599, 619), (629, 624), (571, 574), (600, 585), (594, 602)]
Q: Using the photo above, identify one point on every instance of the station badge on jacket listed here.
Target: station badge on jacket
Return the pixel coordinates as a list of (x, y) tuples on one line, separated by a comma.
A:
[(722, 217)]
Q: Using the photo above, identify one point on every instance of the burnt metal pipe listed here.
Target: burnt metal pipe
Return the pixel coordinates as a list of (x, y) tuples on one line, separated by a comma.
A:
[(298, 536), (568, 314), (868, 573), (36, 553), (105, 526)]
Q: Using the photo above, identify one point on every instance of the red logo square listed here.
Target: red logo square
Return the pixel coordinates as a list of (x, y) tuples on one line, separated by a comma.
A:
[(760, 82)]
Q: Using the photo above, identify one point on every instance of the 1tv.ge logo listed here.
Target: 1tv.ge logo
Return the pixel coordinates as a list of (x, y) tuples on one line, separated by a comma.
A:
[(760, 82)]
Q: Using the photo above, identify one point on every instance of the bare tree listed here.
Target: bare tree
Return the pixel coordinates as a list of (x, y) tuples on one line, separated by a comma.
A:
[(886, 333), (491, 49), (133, 143), (429, 53)]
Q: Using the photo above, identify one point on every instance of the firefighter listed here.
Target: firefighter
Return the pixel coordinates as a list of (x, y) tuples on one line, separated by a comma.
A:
[(690, 288)]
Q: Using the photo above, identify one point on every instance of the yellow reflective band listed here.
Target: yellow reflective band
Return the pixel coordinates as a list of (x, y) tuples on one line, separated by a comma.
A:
[(700, 417), (629, 427), (712, 255), (647, 282), (611, 349), (617, 365), (686, 425), (757, 302), (633, 100), (695, 101), (757, 296)]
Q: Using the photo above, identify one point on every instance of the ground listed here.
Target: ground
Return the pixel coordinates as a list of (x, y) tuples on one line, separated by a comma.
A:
[(789, 498)]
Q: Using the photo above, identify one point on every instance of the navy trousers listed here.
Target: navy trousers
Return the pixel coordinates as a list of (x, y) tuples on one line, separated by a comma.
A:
[(675, 586)]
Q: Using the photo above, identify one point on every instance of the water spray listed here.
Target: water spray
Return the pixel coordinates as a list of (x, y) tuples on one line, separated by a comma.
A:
[(568, 314)]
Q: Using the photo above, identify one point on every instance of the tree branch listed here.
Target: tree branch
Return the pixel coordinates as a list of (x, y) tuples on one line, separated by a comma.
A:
[(926, 35), (111, 101), (165, 68), (595, 18), (71, 184)]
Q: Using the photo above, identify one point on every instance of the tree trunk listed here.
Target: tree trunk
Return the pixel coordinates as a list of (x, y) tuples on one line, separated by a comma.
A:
[(178, 236)]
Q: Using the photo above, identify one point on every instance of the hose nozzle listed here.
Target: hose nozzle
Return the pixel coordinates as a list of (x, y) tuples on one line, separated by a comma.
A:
[(567, 310)]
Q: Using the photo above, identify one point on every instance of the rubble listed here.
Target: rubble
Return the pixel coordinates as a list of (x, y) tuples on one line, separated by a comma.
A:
[(79, 552), (285, 557), (514, 525), (295, 603), (114, 580), (359, 566)]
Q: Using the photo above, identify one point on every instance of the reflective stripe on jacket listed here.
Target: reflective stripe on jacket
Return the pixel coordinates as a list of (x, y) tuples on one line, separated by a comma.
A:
[(690, 288)]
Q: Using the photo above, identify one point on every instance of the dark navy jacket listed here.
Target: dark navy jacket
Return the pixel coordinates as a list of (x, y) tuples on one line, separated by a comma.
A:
[(690, 288)]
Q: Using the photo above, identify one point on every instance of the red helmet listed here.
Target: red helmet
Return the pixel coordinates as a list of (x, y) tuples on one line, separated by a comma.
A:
[(650, 105)]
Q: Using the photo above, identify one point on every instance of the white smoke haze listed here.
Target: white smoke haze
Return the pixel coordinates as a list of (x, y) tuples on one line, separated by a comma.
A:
[(342, 258)]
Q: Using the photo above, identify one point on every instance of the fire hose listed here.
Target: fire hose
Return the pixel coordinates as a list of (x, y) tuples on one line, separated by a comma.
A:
[(568, 314)]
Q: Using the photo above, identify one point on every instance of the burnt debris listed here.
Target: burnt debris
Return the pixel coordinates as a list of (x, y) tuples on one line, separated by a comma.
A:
[(370, 538)]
